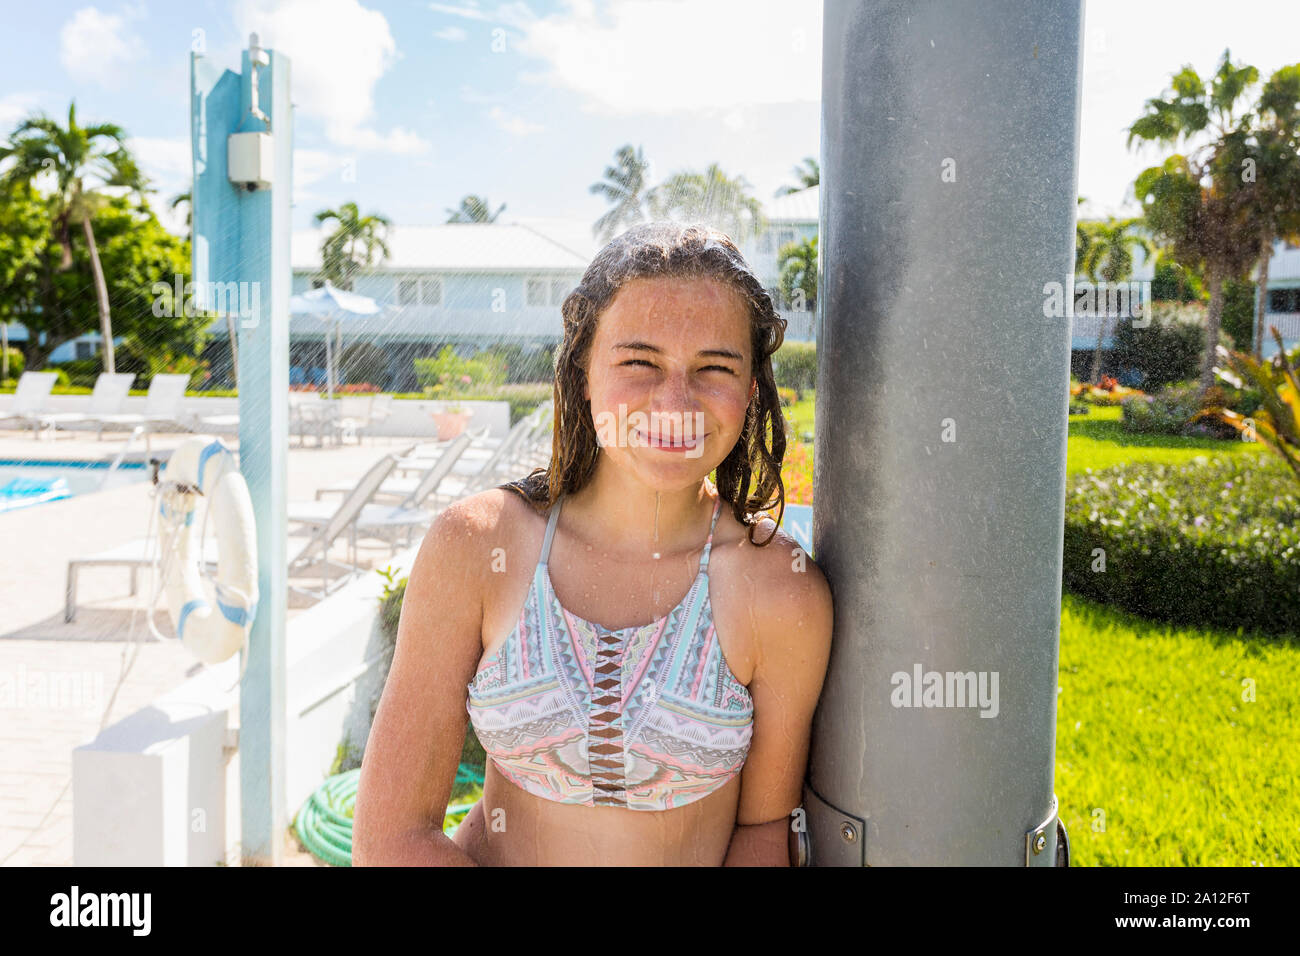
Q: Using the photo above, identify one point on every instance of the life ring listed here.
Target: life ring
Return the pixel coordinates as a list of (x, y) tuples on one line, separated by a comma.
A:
[(202, 465)]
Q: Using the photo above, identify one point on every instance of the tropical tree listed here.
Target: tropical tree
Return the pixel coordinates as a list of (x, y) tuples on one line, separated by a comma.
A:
[(1277, 420), (474, 209), (1082, 240), (1109, 259), (808, 173), (1197, 203), (797, 266), (83, 160), (624, 186), (1270, 165), (188, 199), (353, 244), (137, 254), (710, 197)]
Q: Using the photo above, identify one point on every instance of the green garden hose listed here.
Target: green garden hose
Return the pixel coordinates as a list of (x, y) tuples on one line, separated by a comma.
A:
[(324, 824)]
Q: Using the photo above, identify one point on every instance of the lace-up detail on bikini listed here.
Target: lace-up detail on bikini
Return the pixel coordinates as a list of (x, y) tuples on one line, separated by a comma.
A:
[(646, 718)]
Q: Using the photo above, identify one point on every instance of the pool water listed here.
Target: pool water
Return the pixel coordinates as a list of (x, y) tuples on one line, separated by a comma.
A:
[(24, 483)]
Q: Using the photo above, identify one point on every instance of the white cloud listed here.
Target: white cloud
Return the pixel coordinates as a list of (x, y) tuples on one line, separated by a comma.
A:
[(14, 108), (338, 51), (668, 56), (99, 47), (451, 34), (515, 125)]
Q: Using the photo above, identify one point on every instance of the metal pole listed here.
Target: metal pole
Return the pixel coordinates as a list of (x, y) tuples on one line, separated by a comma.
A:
[(949, 152), (242, 237)]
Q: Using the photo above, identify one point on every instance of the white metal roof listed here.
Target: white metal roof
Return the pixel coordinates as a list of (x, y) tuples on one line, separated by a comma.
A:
[(464, 246), (803, 206)]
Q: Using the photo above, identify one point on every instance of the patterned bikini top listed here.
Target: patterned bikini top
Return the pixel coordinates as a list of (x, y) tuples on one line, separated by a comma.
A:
[(647, 717)]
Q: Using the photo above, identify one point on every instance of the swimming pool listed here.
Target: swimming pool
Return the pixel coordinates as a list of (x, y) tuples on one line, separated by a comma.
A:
[(24, 482)]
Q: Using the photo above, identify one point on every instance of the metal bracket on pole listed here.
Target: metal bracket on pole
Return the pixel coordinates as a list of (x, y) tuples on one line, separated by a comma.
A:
[(847, 845), (1036, 841)]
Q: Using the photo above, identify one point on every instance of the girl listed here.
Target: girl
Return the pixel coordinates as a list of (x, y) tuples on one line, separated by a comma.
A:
[(610, 740)]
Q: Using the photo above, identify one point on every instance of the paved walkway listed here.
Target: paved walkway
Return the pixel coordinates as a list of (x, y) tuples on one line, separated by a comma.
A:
[(56, 679)]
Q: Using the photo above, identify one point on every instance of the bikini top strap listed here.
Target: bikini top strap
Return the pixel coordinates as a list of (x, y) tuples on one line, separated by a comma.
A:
[(708, 545), (550, 529)]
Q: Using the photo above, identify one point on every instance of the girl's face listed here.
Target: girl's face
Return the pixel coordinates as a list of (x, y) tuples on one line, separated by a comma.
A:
[(668, 378)]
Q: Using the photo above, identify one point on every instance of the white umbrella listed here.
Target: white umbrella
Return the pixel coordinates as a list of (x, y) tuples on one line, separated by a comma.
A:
[(331, 304)]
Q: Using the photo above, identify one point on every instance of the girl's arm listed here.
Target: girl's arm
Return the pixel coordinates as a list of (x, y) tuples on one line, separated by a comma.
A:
[(415, 743), (793, 617)]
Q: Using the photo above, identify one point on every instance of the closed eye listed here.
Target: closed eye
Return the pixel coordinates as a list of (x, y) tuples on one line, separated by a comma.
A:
[(651, 365)]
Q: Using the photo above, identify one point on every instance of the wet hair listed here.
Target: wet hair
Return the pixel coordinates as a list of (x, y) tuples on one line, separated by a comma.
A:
[(749, 478)]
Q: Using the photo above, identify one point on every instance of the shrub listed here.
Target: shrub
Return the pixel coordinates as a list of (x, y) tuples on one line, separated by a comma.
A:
[(797, 472), (1212, 543), (1166, 351), (1237, 323), (81, 372), (363, 362), (17, 363), (794, 365), (523, 398), (525, 368), (453, 374), (1171, 410)]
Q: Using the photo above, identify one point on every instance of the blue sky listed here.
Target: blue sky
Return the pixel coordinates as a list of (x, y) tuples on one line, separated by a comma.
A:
[(526, 103)]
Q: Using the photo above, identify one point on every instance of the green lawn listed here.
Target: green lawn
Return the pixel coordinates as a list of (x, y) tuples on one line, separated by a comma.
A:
[(1160, 759), (1097, 440)]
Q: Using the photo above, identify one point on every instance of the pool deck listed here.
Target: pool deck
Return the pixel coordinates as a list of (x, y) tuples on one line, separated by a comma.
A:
[(37, 741)]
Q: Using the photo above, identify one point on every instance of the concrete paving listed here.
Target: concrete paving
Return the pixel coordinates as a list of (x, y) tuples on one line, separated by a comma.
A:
[(61, 682)]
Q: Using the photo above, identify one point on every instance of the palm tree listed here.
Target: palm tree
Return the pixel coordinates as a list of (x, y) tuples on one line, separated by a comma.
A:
[(797, 264), (1275, 176), (1082, 240), (352, 246), (1109, 259), (809, 174), (624, 185), (474, 209), (74, 154), (188, 199), (711, 197), (1198, 204)]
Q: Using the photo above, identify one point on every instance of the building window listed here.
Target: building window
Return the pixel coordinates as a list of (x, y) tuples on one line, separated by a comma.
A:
[(1284, 300), (784, 238), (765, 242), (559, 289), (536, 292), (430, 291), (85, 350), (408, 291)]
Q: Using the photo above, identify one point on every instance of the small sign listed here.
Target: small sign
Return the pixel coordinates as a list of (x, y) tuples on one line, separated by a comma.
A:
[(797, 523)]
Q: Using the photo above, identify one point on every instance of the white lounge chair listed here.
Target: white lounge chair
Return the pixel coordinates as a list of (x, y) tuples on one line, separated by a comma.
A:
[(135, 554), (162, 406), (106, 399), (30, 398), (324, 531), (469, 477), (411, 492)]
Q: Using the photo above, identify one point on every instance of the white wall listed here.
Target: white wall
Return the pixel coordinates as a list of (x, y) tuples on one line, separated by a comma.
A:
[(158, 789)]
